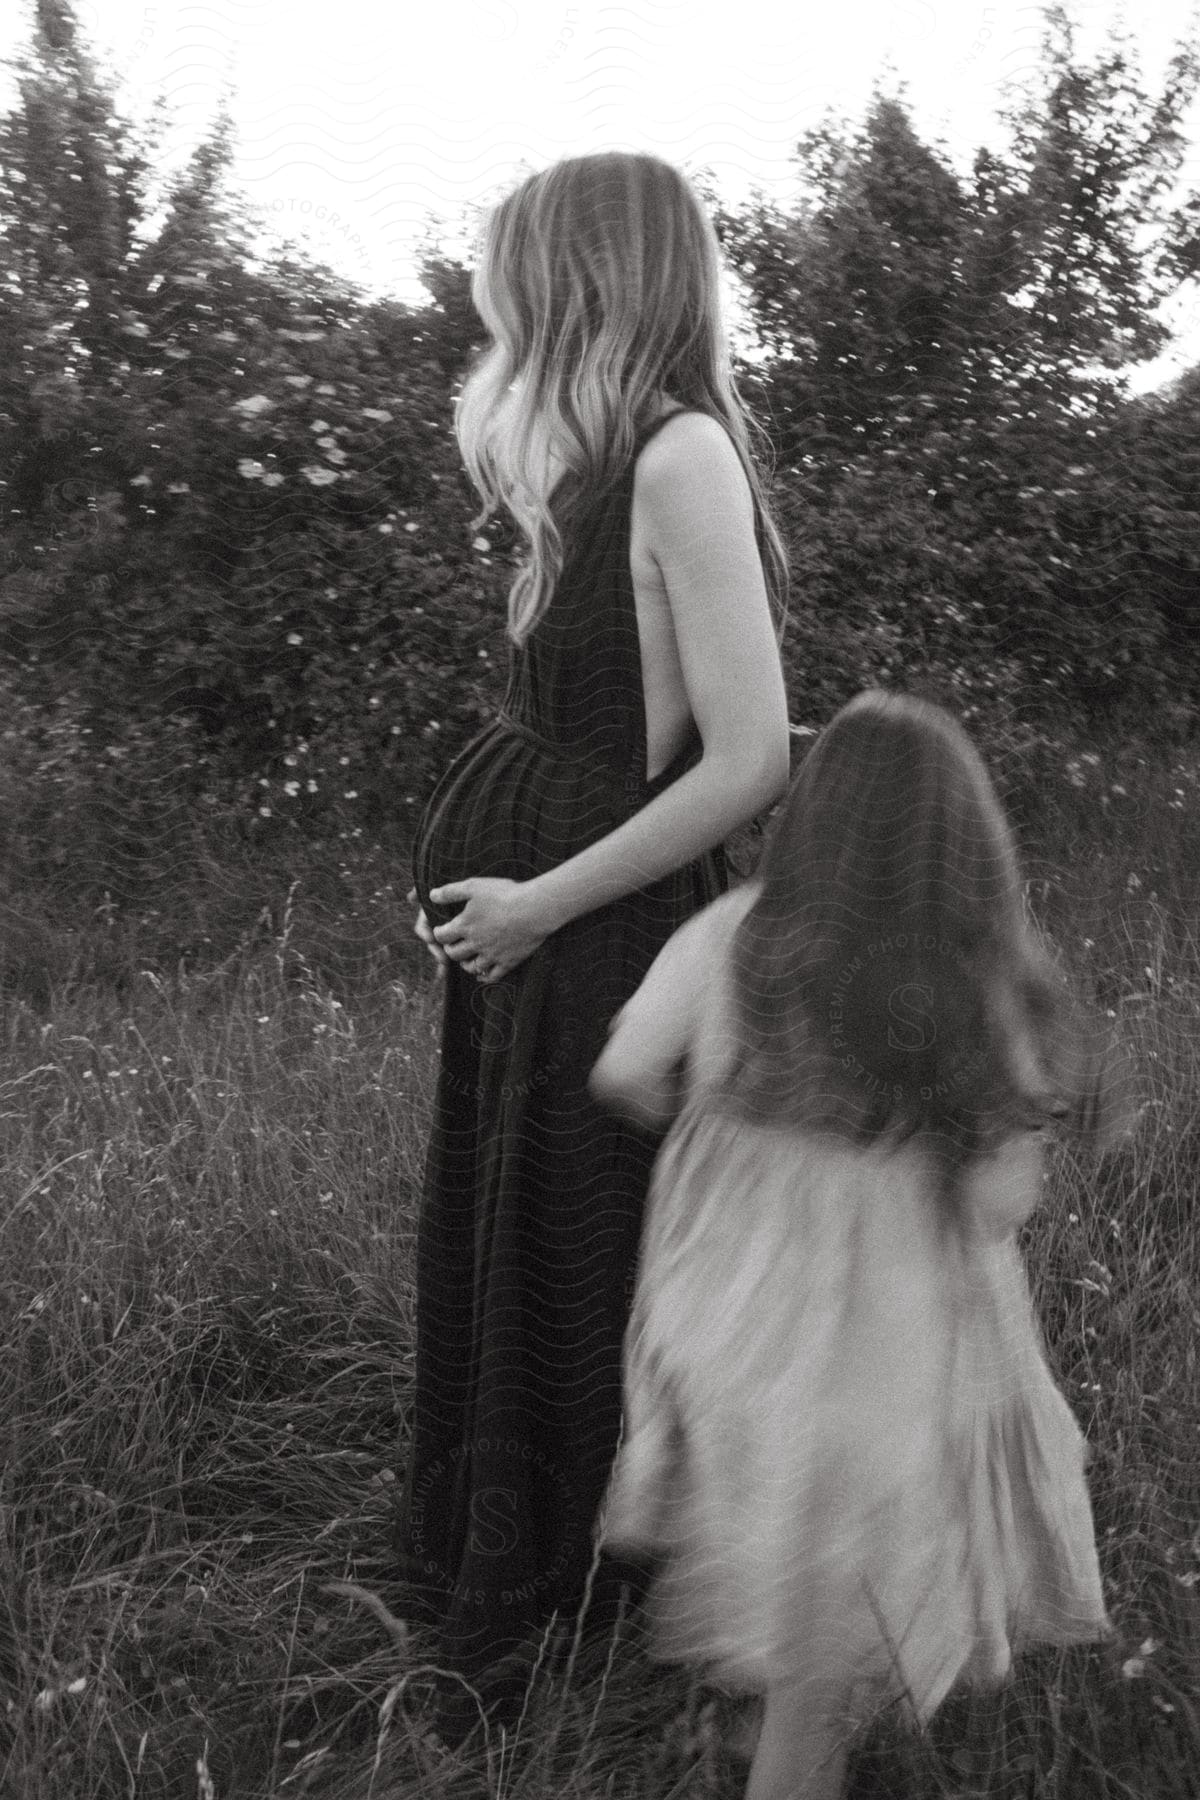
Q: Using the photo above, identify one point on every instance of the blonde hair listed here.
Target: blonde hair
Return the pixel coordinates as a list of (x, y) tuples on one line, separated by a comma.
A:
[(599, 283), (886, 978)]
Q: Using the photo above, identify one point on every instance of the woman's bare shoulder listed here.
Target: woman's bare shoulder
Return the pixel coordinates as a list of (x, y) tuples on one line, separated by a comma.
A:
[(691, 453), (686, 427)]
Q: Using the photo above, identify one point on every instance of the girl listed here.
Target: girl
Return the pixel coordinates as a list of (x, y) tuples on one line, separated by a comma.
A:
[(644, 720), (842, 1438)]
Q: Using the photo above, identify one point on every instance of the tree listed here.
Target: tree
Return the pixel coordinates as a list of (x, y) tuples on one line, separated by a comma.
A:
[(944, 356)]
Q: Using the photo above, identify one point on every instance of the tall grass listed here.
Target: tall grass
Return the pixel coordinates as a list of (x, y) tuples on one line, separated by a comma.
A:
[(206, 1278)]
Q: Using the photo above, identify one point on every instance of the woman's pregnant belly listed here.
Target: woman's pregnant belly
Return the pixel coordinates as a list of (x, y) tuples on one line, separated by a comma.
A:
[(509, 807)]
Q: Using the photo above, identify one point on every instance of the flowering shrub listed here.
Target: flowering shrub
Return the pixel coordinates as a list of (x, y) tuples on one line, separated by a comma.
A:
[(289, 573)]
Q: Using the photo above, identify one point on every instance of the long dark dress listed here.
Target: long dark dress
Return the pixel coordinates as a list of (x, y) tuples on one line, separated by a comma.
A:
[(533, 1198)]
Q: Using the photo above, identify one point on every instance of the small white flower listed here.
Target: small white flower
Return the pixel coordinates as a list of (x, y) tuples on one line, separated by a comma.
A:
[(295, 637), (319, 425), (387, 530), (273, 480), (480, 543), (178, 487), (412, 526), (298, 381), (311, 785), (142, 480), (291, 789), (254, 403), (350, 794), (327, 442), (319, 477), (376, 412), (264, 812), (250, 468)]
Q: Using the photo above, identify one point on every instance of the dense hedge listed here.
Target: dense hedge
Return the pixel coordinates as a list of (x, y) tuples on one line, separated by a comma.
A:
[(239, 568)]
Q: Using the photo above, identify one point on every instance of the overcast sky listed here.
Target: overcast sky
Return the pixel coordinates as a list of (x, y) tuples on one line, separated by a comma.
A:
[(357, 118)]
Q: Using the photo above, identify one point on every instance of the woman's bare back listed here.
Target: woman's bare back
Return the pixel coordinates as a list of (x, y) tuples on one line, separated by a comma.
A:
[(668, 713)]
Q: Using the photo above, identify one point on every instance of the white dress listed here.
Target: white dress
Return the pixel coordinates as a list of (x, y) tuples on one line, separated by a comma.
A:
[(840, 1429)]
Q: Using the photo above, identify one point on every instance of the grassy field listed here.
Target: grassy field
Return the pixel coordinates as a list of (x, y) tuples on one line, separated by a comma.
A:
[(211, 1166)]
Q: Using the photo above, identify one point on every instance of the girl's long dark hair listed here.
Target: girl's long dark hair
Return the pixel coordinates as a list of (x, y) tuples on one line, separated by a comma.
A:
[(886, 979)]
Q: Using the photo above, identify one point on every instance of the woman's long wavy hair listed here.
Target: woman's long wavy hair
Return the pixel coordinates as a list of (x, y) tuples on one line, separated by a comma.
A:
[(599, 282), (886, 978)]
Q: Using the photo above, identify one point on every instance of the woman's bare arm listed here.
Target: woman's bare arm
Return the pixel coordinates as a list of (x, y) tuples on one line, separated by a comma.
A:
[(697, 519)]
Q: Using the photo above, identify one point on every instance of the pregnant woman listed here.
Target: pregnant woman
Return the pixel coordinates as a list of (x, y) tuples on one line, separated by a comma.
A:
[(645, 720)]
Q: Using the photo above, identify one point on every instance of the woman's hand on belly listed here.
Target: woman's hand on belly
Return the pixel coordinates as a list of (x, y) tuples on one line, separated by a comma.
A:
[(424, 931), (499, 926)]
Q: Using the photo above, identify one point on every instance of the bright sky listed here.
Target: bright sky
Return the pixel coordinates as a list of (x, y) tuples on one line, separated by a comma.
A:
[(358, 118)]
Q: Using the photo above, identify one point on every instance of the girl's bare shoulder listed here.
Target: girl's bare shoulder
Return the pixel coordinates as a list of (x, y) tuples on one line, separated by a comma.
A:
[(717, 921), (736, 902), (727, 911), (1002, 1188)]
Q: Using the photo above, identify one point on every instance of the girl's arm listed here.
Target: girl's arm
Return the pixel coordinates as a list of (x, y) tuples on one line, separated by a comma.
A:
[(637, 1072), (698, 518), (661, 1026), (1086, 1092)]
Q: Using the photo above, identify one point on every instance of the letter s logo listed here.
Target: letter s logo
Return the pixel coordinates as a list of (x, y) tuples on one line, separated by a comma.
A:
[(494, 1017), (906, 1004), (494, 1511)]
